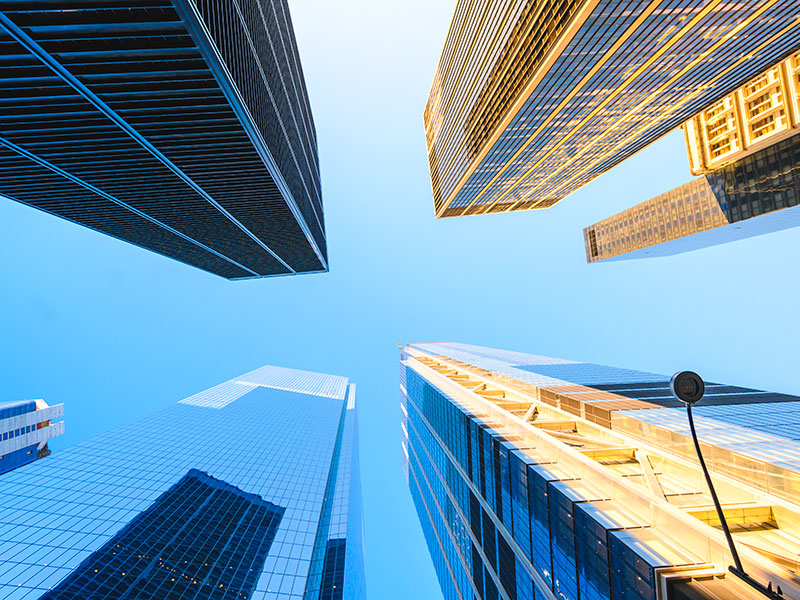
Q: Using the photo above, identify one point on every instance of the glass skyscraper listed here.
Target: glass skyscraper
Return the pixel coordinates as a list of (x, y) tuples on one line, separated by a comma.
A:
[(25, 428), (181, 126), (248, 490), (537, 477), (531, 100)]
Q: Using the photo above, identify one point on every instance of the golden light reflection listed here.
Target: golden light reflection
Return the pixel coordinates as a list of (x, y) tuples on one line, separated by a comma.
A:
[(646, 482), (526, 106), (762, 112)]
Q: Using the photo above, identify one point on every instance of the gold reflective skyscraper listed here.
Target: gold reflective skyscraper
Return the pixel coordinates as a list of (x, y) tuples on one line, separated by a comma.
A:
[(531, 100)]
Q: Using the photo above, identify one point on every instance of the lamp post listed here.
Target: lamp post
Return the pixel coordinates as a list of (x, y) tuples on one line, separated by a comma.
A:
[(688, 387)]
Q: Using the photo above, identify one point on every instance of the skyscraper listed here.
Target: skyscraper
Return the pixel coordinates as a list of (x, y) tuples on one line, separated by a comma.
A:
[(25, 428), (746, 148), (537, 477), (182, 126), (248, 490), (531, 100)]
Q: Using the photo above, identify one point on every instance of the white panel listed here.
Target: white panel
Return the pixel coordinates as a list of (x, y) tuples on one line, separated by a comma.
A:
[(32, 418), (220, 395), (278, 378), (37, 436), (293, 380)]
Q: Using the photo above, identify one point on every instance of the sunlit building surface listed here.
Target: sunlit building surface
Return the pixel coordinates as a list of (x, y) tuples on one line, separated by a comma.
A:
[(248, 490), (531, 100), (182, 126), (537, 477), (762, 112), (25, 428), (757, 194)]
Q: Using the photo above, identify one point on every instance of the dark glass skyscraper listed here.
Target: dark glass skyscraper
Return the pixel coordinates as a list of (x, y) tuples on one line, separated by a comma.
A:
[(532, 100), (180, 126), (536, 477), (248, 490)]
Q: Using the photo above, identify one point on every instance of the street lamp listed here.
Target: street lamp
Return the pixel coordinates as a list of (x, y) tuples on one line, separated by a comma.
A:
[(688, 387)]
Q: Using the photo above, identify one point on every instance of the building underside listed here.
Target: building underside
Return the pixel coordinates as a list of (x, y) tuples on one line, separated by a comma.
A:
[(162, 124)]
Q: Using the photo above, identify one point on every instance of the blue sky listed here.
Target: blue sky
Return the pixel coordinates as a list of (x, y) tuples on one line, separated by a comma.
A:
[(115, 332)]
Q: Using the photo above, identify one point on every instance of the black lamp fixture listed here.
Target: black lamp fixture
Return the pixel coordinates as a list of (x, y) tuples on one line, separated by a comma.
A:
[(688, 387)]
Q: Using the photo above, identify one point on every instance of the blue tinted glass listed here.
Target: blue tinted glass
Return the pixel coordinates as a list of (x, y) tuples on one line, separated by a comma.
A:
[(201, 538), (273, 446)]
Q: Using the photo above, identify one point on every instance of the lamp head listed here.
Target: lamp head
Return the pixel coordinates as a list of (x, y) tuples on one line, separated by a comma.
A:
[(687, 386)]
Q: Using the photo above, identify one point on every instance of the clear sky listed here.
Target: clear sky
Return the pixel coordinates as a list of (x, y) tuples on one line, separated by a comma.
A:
[(115, 332)]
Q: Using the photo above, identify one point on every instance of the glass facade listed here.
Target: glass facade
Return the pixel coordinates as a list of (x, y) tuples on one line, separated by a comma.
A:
[(239, 491), (536, 477), (531, 101), (757, 194), (200, 538), (25, 428), (182, 127)]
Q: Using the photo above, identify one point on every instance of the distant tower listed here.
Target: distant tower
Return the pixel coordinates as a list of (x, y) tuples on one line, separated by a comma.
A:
[(25, 428), (537, 477), (182, 126), (248, 490), (746, 149), (532, 100)]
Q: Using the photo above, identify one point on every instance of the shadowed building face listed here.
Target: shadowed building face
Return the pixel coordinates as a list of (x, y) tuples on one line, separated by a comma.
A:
[(531, 100), (202, 538), (183, 127)]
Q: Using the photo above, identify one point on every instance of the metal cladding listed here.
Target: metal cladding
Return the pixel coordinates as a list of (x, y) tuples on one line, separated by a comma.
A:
[(182, 127), (532, 100)]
